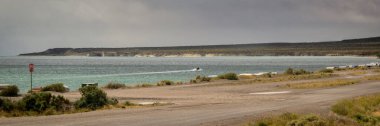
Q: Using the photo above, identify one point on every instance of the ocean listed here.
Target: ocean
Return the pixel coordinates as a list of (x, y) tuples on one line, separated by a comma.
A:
[(74, 70)]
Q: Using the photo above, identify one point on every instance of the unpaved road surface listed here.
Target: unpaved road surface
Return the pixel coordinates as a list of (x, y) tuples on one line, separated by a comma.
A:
[(201, 105)]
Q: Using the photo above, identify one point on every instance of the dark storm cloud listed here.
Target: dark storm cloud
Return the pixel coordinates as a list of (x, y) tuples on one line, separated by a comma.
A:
[(34, 25)]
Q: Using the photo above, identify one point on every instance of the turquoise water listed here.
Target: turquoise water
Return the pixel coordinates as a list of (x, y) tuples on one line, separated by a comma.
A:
[(135, 70)]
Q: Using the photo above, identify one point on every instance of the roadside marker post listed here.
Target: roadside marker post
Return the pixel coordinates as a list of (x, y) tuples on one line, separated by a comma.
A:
[(31, 69)]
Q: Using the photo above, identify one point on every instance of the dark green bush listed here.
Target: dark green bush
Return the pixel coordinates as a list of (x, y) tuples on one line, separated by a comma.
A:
[(40, 102), (58, 87), (10, 91), (291, 71), (128, 103), (113, 85), (6, 105), (326, 71), (229, 76), (165, 82), (92, 98)]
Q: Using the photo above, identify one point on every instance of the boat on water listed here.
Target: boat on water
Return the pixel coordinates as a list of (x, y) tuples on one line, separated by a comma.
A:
[(197, 69)]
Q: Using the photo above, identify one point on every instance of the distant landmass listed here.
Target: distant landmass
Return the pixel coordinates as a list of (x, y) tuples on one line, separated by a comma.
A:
[(357, 47)]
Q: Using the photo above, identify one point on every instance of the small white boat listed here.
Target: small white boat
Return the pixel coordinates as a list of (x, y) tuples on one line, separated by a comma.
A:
[(197, 69)]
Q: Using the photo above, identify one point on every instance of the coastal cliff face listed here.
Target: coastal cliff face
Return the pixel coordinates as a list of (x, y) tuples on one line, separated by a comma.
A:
[(361, 47)]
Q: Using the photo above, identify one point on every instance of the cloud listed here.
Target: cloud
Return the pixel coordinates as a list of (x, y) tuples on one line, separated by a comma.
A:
[(28, 26)]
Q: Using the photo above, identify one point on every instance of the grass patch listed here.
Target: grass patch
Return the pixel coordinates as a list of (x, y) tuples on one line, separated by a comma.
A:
[(114, 85), (200, 79), (357, 72), (363, 109), (326, 71), (291, 71), (165, 82), (57, 87), (375, 77), (283, 77), (322, 84), (291, 119)]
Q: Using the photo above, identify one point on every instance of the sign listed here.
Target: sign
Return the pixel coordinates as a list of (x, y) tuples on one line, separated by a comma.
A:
[(31, 68)]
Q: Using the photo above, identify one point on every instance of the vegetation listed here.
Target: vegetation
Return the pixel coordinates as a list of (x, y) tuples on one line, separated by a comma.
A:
[(144, 85), (365, 110), (321, 84), (165, 82), (58, 87), (291, 119), (113, 85), (35, 104), (228, 76), (326, 71), (92, 98), (39, 102), (10, 91), (378, 55), (128, 103), (199, 79), (291, 71)]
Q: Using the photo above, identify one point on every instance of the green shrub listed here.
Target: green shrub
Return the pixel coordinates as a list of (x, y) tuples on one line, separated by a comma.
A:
[(165, 82), (92, 98), (10, 91), (229, 76), (326, 71), (128, 103), (40, 102), (58, 87), (114, 85), (199, 79), (6, 105), (289, 71)]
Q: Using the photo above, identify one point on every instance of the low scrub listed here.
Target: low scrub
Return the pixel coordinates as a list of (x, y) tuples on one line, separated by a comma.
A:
[(165, 82), (35, 104), (228, 76), (92, 98), (144, 85), (10, 91), (322, 84), (39, 102), (363, 109), (199, 79), (375, 77), (291, 119), (58, 87), (326, 71), (114, 85), (291, 71)]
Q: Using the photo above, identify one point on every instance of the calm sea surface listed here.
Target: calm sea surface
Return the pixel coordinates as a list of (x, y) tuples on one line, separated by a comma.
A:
[(136, 70)]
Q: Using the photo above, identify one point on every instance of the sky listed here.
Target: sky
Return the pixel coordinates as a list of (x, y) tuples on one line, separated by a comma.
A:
[(36, 25)]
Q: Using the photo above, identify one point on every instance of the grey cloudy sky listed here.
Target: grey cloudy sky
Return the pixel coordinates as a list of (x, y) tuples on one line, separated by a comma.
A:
[(35, 25)]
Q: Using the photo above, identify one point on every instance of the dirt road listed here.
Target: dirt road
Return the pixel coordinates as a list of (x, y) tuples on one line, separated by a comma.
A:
[(201, 105)]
